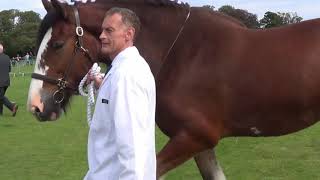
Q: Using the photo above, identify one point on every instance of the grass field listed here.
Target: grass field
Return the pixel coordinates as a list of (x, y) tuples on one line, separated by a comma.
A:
[(31, 150)]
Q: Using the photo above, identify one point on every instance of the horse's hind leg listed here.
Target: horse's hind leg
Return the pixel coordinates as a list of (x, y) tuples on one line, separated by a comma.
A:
[(178, 150), (209, 166)]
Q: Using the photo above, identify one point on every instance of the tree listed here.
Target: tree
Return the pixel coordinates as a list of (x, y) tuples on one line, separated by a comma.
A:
[(272, 19), (249, 19), (27, 26), (209, 7), (18, 31), (7, 20), (28, 17), (290, 18)]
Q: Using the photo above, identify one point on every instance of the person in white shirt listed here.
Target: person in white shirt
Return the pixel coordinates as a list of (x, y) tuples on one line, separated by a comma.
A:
[(121, 142)]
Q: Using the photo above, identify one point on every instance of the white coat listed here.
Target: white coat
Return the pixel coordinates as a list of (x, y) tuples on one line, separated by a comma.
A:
[(121, 142)]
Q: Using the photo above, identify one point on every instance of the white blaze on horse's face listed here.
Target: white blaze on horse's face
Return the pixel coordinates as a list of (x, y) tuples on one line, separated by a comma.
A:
[(34, 97)]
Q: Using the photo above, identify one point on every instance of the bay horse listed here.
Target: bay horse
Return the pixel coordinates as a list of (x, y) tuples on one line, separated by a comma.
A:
[(215, 78)]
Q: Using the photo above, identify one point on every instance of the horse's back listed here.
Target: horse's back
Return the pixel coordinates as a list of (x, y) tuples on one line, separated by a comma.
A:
[(243, 82), (275, 85)]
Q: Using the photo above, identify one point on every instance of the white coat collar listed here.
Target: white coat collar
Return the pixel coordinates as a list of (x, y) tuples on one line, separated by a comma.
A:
[(131, 51), (120, 58)]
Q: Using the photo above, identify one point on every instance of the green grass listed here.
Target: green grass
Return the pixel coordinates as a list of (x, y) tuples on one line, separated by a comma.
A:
[(31, 150)]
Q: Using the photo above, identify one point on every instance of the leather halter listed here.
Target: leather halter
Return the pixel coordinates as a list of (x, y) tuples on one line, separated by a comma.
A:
[(62, 83)]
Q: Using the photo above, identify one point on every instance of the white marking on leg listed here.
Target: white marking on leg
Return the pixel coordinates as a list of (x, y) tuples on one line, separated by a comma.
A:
[(218, 174), (34, 98), (208, 166)]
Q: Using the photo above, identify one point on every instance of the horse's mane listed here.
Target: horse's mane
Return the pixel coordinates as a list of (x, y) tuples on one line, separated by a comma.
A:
[(52, 17), (174, 3)]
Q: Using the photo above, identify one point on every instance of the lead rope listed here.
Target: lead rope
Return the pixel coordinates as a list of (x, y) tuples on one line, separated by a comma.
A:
[(95, 70)]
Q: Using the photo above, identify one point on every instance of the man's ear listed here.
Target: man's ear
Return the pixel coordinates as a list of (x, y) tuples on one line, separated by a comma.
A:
[(130, 33)]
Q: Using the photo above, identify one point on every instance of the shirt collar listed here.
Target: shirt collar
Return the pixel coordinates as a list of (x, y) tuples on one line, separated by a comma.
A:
[(128, 52)]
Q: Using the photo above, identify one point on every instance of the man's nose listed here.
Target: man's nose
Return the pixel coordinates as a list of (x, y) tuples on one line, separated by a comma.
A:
[(102, 36)]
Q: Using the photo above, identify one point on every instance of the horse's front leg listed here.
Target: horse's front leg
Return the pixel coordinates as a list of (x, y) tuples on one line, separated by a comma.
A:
[(178, 150), (209, 166)]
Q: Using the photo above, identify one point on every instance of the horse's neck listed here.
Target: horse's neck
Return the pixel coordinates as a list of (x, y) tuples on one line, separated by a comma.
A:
[(160, 27)]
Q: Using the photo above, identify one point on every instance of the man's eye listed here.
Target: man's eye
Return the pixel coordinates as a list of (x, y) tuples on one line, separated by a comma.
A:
[(109, 30), (58, 44)]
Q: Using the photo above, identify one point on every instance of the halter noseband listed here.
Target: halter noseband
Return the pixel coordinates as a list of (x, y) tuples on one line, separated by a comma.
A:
[(62, 83)]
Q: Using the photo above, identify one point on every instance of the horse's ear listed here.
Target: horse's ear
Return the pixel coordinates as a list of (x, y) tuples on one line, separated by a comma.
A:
[(47, 5), (60, 6)]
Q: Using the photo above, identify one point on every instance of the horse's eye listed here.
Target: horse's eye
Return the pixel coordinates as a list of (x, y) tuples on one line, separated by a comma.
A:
[(58, 44)]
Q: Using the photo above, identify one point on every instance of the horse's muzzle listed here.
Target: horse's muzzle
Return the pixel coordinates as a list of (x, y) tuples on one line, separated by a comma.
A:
[(43, 116)]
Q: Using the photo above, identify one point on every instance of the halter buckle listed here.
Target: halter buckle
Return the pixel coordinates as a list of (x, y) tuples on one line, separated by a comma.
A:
[(62, 84), (79, 31), (58, 96)]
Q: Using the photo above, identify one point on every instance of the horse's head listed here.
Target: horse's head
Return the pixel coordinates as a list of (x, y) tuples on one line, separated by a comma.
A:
[(62, 60), (66, 52)]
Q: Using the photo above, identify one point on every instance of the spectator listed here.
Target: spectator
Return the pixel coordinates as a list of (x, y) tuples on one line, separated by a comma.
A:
[(5, 68), (27, 59)]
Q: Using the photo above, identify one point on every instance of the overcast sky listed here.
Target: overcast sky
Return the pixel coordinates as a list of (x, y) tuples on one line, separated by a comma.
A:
[(307, 9)]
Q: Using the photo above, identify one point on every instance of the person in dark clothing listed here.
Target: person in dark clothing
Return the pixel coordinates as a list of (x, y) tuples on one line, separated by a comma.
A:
[(5, 68)]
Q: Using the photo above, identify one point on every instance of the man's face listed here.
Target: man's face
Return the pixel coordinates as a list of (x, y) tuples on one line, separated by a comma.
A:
[(115, 36)]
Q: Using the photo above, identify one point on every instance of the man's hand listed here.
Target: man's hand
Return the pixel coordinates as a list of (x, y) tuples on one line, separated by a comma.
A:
[(97, 79)]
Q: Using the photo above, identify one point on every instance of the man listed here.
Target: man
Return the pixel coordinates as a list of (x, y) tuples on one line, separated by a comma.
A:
[(5, 68), (121, 143), (27, 58)]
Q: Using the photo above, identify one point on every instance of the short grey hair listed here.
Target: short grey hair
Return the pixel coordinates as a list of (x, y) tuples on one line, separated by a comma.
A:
[(129, 18)]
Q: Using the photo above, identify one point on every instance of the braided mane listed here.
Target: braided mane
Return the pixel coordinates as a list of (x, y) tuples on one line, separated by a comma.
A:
[(150, 2)]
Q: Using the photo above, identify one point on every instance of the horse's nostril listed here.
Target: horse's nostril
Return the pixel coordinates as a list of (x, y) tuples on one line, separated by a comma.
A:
[(36, 110)]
